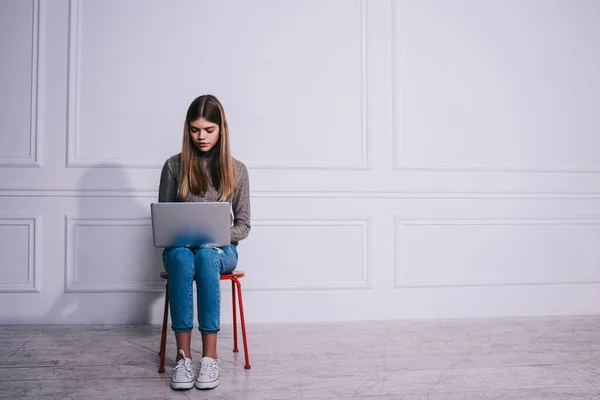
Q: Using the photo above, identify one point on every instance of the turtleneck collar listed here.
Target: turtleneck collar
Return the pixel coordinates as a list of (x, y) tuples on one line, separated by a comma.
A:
[(207, 156)]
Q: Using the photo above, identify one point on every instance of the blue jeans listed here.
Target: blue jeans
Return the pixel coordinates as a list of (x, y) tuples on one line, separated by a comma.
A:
[(205, 264)]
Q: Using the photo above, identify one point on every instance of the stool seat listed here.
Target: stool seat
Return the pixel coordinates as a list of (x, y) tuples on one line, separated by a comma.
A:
[(236, 286), (224, 277)]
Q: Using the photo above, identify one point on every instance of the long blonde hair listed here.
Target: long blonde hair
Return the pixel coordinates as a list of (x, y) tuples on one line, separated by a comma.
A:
[(221, 170)]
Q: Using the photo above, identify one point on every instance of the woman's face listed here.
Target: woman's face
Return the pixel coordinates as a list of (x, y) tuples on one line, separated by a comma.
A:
[(204, 134)]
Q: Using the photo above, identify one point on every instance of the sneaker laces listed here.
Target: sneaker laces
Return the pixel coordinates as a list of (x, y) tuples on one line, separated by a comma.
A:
[(183, 370), (210, 368)]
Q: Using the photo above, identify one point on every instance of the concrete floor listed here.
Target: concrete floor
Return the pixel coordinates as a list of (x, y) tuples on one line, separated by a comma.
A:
[(525, 358)]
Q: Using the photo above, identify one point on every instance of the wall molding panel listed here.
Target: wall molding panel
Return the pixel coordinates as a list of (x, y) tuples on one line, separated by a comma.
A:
[(72, 281), (398, 135), (400, 265), (76, 160), (33, 283), (365, 265), (34, 159)]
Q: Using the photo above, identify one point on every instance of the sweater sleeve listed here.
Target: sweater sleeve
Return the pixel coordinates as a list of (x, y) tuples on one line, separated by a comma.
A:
[(241, 207), (167, 190)]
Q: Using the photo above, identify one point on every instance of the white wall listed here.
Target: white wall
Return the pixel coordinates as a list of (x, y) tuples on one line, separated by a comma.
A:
[(407, 159)]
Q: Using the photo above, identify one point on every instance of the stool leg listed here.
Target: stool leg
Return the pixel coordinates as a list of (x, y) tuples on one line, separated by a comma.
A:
[(243, 323), (163, 338), (235, 339)]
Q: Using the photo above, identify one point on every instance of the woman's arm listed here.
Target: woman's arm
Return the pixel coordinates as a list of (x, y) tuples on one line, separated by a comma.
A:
[(167, 190), (241, 207)]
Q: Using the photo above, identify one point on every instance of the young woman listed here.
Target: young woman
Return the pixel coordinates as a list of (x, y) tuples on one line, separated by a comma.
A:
[(203, 171)]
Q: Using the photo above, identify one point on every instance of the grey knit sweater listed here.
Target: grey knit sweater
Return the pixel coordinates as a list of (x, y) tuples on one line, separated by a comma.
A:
[(240, 202)]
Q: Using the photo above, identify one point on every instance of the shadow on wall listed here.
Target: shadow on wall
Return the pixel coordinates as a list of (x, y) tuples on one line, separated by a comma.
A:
[(111, 265)]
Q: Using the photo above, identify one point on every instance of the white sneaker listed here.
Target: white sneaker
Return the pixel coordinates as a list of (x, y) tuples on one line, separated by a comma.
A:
[(183, 373), (208, 377)]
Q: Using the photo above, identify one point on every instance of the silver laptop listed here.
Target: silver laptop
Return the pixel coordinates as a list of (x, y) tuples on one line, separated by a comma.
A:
[(191, 224)]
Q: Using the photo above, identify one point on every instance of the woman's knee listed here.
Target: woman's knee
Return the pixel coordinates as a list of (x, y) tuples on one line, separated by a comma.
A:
[(179, 259), (205, 258)]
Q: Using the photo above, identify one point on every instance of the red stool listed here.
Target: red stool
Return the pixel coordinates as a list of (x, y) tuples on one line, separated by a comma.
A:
[(235, 283)]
